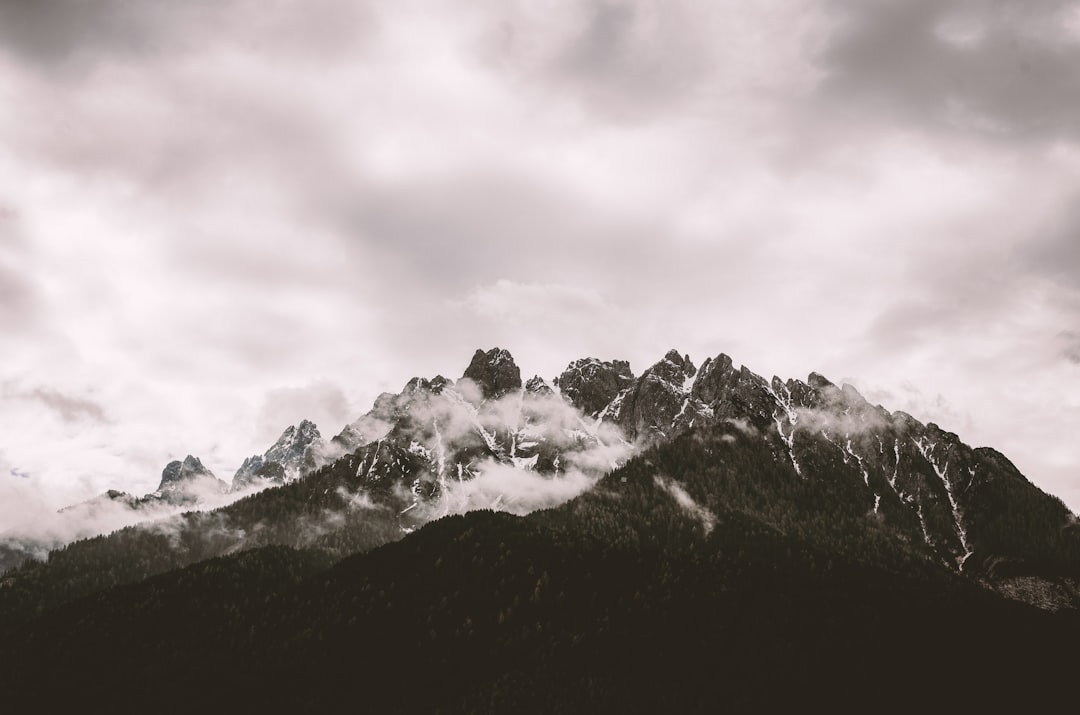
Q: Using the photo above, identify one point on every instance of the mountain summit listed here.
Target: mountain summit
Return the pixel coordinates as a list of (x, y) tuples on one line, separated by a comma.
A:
[(187, 482), (298, 450), (494, 372)]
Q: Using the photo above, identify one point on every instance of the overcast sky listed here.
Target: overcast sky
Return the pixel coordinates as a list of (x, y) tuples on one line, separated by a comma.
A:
[(218, 217)]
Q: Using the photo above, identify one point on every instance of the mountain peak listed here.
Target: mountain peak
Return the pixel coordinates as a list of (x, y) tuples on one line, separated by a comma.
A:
[(674, 367), (591, 385), (680, 361), (185, 481), (494, 372), (177, 471), (304, 433), (294, 452)]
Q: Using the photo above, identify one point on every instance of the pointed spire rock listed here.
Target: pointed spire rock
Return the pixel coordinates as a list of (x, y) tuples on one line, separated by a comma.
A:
[(494, 372)]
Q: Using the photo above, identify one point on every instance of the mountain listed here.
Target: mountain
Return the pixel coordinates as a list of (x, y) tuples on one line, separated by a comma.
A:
[(187, 482), (684, 525), (494, 372), (184, 484), (440, 447), (298, 450), (659, 588), (439, 451)]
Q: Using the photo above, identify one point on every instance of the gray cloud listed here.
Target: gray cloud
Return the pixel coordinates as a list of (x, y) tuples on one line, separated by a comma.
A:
[(18, 299), (1055, 252), (1071, 350), (69, 407), (630, 61), (19, 296), (72, 35), (323, 402), (635, 57), (51, 31), (1003, 68)]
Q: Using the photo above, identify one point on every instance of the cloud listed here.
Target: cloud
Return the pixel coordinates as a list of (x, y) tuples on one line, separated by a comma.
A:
[(686, 503), (1053, 253), (29, 523), (999, 68), (644, 61), (1071, 350), (505, 488), (322, 402), (60, 34), (70, 408), (459, 435), (19, 296), (508, 300)]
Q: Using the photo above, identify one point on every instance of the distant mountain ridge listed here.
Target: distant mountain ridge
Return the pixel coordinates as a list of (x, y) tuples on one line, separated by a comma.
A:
[(491, 441)]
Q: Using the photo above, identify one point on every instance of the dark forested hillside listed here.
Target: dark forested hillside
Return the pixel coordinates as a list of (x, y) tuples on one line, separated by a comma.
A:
[(771, 545), (691, 579)]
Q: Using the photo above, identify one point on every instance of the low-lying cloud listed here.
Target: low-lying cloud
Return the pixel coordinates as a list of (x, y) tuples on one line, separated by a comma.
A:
[(686, 502), (32, 527), (506, 488)]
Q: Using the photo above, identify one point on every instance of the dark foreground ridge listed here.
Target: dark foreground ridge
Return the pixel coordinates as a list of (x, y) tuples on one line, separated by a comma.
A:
[(766, 545)]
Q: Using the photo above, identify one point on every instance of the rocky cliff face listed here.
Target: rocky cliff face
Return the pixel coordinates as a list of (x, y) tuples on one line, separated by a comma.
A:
[(494, 372), (592, 385)]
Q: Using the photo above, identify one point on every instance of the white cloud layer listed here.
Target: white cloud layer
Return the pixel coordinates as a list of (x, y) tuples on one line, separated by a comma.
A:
[(218, 218)]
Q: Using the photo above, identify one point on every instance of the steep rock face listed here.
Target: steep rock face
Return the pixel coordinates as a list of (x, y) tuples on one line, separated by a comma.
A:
[(733, 394), (494, 372), (660, 401), (188, 481), (298, 450), (592, 385)]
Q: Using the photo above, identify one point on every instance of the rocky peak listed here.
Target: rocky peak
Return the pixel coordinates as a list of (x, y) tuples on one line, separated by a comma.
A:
[(434, 386), (294, 438), (591, 385), (176, 472), (537, 386), (494, 372), (734, 394), (298, 450), (674, 368), (660, 402), (187, 482)]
